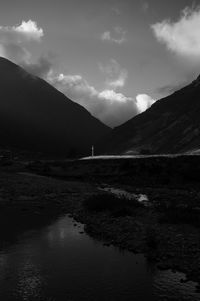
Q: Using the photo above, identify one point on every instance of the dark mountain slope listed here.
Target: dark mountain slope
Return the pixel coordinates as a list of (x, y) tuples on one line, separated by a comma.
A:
[(34, 115), (171, 125)]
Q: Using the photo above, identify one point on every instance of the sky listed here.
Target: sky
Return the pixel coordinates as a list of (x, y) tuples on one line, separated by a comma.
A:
[(114, 57)]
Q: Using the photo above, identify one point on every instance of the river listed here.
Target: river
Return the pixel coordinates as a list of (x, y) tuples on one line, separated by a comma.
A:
[(55, 259)]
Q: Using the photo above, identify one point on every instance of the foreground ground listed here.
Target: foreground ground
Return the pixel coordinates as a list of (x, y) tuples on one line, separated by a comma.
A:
[(167, 231)]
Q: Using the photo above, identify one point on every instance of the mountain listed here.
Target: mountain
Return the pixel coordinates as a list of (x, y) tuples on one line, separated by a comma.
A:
[(37, 117), (171, 125)]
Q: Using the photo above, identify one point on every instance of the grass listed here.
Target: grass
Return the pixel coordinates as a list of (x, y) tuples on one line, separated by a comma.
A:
[(179, 213), (108, 202)]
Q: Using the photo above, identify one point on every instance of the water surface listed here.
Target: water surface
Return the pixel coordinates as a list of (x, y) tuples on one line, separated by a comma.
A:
[(56, 260)]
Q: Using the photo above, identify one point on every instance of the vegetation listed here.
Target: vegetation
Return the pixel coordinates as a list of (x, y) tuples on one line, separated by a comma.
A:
[(181, 215), (182, 209), (145, 151), (117, 206), (151, 238)]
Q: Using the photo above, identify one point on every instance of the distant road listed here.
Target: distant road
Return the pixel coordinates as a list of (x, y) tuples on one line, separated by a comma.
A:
[(138, 156)]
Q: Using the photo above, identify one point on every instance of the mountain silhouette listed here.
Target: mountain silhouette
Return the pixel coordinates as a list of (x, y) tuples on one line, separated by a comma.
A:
[(37, 117), (171, 125)]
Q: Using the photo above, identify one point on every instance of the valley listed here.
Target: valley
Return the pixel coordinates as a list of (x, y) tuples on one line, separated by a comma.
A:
[(166, 231)]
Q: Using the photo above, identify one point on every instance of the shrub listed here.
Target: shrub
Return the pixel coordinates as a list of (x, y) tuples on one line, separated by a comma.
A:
[(151, 238), (117, 206), (182, 215), (145, 151), (179, 211)]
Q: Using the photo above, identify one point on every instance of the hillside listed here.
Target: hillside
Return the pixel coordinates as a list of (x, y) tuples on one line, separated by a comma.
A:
[(171, 125), (37, 117)]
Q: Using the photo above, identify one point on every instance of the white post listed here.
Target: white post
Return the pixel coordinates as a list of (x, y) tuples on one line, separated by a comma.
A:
[(92, 150)]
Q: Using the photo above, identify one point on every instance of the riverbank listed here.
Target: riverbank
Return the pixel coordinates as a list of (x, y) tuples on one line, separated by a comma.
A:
[(169, 245)]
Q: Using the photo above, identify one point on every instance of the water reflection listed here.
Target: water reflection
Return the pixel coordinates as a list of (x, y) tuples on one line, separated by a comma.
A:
[(59, 262), (29, 283)]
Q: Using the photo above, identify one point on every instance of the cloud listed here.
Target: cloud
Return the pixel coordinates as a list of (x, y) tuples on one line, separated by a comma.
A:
[(115, 75), (13, 40), (107, 105), (112, 96), (30, 30), (145, 6), (117, 36), (14, 52), (27, 31), (181, 37), (169, 89), (42, 67), (144, 102), (116, 11), (120, 81), (20, 55)]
